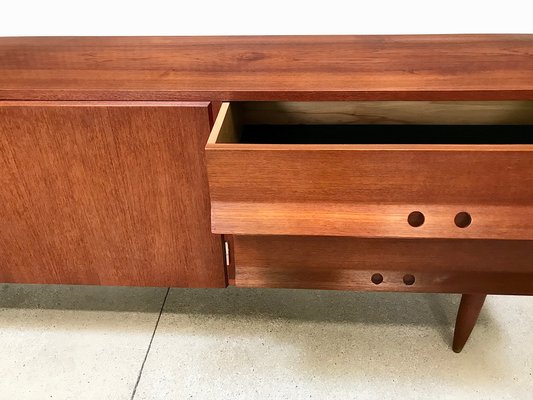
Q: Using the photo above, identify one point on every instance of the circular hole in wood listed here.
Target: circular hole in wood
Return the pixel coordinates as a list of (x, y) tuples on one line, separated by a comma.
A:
[(377, 279), (416, 219), (408, 279), (463, 219)]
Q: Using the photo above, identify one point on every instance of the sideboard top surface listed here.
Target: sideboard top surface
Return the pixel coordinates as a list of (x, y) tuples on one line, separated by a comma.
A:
[(421, 67)]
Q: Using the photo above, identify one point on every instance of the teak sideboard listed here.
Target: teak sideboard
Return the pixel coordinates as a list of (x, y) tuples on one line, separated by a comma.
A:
[(384, 163)]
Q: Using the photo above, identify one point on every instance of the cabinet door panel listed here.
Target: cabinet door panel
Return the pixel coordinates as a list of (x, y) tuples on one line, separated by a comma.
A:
[(106, 193)]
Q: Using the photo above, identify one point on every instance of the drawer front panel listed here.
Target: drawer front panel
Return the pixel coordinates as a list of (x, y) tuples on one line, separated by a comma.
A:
[(437, 265), (106, 193), (316, 174)]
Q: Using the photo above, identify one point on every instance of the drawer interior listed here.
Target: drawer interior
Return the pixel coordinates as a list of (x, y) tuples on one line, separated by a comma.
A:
[(387, 134), (384, 122)]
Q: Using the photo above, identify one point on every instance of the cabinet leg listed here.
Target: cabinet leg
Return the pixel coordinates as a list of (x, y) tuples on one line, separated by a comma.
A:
[(467, 315)]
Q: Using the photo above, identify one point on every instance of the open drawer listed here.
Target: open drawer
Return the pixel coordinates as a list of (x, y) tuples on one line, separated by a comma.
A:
[(373, 169)]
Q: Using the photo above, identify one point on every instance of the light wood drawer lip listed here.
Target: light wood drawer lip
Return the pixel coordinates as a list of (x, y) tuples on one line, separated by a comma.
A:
[(367, 190)]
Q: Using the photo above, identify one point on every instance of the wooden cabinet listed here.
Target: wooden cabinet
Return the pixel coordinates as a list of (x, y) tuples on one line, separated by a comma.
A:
[(109, 193), (393, 163)]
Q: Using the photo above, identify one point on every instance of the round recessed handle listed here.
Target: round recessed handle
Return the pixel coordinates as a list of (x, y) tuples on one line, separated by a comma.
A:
[(416, 219), (462, 219), (409, 279), (376, 279)]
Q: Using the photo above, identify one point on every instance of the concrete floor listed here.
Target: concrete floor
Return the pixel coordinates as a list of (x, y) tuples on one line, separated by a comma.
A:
[(63, 342)]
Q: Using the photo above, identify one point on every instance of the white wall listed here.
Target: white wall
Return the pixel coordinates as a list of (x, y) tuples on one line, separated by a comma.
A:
[(239, 17)]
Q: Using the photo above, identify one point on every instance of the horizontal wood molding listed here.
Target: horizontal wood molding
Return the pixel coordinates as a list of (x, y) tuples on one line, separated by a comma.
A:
[(416, 67)]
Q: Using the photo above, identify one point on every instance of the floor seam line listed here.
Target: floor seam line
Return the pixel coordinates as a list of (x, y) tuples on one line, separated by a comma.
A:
[(149, 346)]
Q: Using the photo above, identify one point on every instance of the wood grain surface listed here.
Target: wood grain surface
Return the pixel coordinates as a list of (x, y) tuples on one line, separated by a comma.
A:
[(420, 67), (456, 266), (371, 220), (386, 112), (110, 194)]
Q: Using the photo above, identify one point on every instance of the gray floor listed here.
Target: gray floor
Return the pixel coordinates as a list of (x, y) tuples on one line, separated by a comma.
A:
[(61, 342)]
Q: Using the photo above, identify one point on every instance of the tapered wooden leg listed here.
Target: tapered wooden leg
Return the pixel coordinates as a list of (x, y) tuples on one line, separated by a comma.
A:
[(469, 310)]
